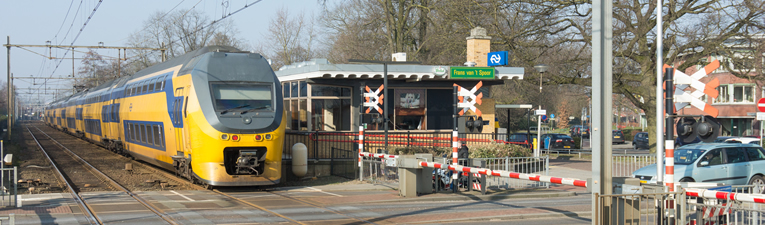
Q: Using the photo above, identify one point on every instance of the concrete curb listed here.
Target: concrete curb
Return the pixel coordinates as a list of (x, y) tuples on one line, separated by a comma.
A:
[(493, 197), (583, 214)]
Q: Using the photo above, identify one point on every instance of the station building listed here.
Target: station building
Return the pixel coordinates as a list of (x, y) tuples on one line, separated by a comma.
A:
[(322, 96)]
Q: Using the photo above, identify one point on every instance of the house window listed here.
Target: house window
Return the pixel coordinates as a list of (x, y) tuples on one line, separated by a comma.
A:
[(723, 96), (743, 94)]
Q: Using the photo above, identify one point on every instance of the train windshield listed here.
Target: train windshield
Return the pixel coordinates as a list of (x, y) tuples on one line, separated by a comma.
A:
[(250, 97)]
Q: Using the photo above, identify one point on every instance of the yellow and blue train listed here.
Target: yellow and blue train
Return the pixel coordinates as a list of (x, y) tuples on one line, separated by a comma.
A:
[(214, 116)]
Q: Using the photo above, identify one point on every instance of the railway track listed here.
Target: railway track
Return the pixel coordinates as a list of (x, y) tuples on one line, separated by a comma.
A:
[(102, 182), (75, 183)]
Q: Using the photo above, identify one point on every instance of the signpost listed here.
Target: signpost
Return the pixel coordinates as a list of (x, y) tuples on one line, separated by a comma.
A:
[(471, 73), (497, 58), (761, 115)]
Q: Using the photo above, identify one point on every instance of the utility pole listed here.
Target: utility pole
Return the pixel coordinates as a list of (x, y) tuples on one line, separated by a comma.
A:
[(9, 87)]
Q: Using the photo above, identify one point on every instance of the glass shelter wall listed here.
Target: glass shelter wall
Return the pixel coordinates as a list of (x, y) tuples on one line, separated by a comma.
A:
[(321, 107)]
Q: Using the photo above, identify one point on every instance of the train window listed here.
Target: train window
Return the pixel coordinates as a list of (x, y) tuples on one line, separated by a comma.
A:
[(135, 133), (151, 85), (157, 140), (149, 135), (161, 136), (132, 90), (128, 132), (116, 113), (163, 82), (145, 87), (143, 133), (158, 84)]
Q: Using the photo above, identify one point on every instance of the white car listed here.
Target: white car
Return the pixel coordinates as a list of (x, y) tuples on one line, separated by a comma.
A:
[(743, 140)]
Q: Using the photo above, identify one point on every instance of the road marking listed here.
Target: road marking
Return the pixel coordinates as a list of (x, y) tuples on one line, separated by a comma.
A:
[(319, 190), (179, 194)]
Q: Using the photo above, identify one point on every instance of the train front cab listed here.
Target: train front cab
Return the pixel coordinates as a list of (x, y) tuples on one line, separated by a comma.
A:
[(240, 147)]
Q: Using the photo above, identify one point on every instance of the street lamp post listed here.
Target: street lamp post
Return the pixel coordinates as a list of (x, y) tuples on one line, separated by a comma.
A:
[(541, 68)]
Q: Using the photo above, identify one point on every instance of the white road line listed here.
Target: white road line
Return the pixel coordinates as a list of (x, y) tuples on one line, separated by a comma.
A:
[(319, 190), (179, 194)]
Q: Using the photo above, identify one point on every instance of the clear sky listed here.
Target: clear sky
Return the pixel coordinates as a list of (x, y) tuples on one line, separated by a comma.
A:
[(38, 21)]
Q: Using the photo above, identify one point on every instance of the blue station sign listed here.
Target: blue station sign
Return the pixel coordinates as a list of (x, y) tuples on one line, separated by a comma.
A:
[(497, 58)]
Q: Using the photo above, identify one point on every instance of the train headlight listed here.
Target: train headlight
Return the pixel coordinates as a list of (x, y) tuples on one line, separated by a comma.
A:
[(268, 137), (258, 137), (224, 137), (235, 137)]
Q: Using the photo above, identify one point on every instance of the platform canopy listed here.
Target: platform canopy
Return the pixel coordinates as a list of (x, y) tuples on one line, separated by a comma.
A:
[(321, 68)]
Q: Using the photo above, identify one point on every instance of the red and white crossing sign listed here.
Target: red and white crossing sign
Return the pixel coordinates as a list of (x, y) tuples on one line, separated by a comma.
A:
[(372, 99), (761, 105), (468, 98), (682, 81)]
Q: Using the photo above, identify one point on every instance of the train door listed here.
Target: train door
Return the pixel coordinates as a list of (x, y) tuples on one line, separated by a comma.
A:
[(178, 103)]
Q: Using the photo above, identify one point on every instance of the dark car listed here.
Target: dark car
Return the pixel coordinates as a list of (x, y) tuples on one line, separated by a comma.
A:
[(557, 141), (617, 137), (640, 141), (522, 139)]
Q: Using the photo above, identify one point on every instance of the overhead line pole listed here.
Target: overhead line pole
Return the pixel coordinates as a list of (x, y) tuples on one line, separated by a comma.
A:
[(9, 86)]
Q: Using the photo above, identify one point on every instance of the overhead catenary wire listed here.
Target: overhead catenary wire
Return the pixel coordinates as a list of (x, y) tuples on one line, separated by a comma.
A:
[(203, 27), (76, 37)]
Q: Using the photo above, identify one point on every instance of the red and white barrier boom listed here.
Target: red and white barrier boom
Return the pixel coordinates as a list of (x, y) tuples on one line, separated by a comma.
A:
[(382, 156), (500, 173), (756, 198)]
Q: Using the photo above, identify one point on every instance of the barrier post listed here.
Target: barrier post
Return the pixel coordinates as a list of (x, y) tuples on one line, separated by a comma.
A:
[(455, 143), (361, 149)]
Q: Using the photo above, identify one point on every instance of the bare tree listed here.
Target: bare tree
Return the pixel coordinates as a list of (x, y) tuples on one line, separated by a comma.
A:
[(179, 32), (291, 39)]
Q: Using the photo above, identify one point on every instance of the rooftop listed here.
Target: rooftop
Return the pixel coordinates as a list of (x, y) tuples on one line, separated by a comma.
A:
[(321, 68)]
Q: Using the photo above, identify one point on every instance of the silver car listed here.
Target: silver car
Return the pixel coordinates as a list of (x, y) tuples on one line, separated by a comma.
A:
[(728, 163)]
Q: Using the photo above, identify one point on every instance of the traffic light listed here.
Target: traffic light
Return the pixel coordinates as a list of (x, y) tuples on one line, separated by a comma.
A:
[(707, 129), (685, 128), (474, 123), (377, 118)]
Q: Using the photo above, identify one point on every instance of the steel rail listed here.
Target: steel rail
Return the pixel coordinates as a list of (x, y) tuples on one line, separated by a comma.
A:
[(150, 167), (114, 183), (293, 199), (91, 217)]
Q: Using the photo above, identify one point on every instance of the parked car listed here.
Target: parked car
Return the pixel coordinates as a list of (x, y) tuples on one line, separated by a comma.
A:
[(728, 163), (522, 139), (640, 141), (557, 141), (744, 140), (617, 137)]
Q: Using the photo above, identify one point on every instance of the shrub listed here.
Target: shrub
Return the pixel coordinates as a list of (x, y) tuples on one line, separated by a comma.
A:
[(411, 150), (577, 142), (494, 150)]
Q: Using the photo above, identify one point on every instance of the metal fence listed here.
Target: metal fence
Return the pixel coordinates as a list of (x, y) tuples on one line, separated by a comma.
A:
[(380, 171), (343, 163), (624, 165), (644, 208), (676, 208), (9, 186), (320, 143), (714, 211), (531, 165)]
